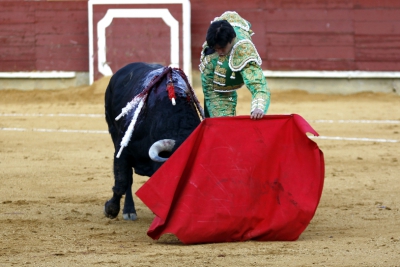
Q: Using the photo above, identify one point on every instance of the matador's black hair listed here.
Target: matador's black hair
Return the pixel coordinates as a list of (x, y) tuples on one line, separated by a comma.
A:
[(220, 33)]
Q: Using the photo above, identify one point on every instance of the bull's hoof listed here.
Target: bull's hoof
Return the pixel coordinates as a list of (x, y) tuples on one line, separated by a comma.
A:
[(111, 209), (129, 216)]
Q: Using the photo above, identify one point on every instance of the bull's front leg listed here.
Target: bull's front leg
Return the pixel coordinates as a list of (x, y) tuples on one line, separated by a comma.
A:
[(122, 182), (129, 211)]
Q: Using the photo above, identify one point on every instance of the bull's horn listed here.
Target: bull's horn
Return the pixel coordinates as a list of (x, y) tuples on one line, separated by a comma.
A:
[(160, 146)]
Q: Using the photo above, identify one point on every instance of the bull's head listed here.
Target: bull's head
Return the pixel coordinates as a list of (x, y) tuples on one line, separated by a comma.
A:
[(173, 76)]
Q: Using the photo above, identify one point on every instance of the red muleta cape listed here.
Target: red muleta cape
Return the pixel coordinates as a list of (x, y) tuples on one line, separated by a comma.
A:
[(236, 179)]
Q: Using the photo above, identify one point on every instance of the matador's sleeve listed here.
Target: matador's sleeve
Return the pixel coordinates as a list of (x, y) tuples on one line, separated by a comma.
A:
[(255, 81), (245, 59)]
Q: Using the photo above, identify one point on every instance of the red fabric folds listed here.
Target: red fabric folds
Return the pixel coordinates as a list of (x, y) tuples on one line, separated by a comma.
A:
[(236, 179)]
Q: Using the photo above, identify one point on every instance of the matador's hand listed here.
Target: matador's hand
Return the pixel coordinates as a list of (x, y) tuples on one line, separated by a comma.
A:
[(257, 114)]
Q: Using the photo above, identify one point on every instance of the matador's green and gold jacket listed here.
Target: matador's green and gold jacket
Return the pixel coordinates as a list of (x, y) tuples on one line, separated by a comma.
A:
[(221, 76)]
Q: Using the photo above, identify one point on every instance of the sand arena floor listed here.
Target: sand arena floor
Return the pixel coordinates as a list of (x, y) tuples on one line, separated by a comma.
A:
[(56, 174)]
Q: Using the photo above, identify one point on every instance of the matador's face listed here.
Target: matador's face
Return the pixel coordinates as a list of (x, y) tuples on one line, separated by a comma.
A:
[(223, 51)]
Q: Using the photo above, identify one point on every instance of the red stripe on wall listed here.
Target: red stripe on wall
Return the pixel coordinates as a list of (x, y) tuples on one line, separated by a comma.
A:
[(371, 41), (61, 39), (310, 64), (378, 27), (310, 39), (375, 4), (309, 4), (377, 65), (77, 64)]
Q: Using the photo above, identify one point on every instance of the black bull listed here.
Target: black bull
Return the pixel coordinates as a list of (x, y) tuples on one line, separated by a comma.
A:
[(157, 119)]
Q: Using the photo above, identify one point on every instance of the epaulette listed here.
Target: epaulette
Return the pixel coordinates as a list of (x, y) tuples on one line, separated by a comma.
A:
[(242, 53)]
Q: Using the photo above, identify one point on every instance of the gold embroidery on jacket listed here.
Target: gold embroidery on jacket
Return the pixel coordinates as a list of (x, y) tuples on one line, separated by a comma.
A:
[(222, 89), (220, 75)]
